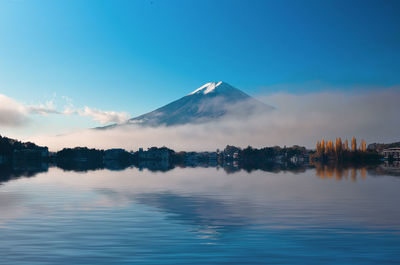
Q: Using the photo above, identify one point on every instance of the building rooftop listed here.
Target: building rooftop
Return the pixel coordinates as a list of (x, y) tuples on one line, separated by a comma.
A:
[(392, 149)]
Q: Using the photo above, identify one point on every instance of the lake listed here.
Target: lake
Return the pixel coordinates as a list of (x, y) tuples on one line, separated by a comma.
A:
[(201, 215)]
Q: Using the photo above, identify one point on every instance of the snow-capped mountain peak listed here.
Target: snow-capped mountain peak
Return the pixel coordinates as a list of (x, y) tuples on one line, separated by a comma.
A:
[(207, 88), (210, 102)]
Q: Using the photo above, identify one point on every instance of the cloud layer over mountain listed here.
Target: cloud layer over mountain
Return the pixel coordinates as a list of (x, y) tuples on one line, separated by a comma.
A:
[(297, 119)]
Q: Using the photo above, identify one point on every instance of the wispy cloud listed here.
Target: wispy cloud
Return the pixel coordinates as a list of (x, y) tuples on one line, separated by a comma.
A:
[(14, 114), (104, 117), (43, 109)]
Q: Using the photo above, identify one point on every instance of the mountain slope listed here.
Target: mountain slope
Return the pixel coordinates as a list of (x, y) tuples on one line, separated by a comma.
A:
[(209, 102)]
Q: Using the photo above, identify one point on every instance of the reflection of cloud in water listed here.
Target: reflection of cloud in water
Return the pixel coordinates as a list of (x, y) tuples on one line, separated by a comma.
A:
[(211, 214), (11, 206)]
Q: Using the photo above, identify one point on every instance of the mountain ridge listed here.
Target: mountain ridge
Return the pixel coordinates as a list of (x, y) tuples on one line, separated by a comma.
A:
[(209, 102)]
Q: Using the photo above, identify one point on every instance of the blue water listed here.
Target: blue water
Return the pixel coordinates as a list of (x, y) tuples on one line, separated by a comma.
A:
[(199, 216)]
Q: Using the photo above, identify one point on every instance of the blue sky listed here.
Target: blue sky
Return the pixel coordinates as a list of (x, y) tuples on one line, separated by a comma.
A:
[(134, 56)]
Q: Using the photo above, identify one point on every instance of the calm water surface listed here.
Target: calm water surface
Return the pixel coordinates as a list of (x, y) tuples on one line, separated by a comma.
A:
[(200, 215)]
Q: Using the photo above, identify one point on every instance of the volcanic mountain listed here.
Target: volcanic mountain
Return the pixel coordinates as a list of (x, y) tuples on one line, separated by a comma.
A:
[(210, 102)]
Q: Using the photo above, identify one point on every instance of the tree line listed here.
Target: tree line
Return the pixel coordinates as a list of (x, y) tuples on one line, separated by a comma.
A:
[(328, 147), (343, 150)]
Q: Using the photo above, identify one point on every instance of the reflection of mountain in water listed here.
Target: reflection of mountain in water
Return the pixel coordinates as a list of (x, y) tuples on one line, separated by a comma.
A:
[(211, 214)]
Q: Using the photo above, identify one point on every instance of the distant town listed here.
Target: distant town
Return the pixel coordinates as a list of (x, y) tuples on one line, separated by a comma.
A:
[(28, 158)]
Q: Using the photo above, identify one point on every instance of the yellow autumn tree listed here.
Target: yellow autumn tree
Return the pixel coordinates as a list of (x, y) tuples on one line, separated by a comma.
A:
[(338, 146), (346, 145), (322, 146), (318, 147), (353, 144), (363, 146), (329, 147)]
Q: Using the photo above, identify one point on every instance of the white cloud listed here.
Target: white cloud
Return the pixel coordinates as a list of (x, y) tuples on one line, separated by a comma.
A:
[(43, 109), (104, 117), (12, 113)]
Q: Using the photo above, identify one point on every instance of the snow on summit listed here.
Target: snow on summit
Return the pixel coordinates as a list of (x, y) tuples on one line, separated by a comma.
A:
[(207, 88)]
